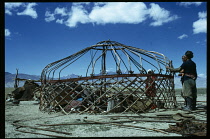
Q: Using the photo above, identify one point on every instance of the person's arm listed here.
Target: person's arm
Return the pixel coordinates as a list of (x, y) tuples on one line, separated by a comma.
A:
[(174, 69)]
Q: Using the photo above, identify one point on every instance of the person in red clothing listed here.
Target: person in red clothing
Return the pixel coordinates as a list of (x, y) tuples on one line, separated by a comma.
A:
[(150, 84), (150, 87)]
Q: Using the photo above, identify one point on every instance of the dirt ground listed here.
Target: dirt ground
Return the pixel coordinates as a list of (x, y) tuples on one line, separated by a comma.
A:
[(28, 118)]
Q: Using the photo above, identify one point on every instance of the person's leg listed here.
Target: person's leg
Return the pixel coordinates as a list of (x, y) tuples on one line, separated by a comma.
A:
[(189, 104), (194, 95), (194, 103), (185, 102), (187, 94)]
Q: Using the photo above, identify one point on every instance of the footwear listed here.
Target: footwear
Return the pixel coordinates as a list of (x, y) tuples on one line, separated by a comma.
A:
[(188, 105), (185, 103), (187, 109), (194, 103)]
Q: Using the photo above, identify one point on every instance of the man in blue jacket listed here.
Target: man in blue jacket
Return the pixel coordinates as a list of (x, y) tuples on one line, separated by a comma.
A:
[(189, 89)]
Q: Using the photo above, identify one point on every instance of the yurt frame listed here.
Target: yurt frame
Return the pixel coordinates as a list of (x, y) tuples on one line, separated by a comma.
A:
[(132, 89)]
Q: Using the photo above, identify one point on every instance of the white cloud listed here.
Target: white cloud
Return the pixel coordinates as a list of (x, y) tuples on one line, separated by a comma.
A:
[(186, 4), (7, 33), (182, 36), (15, 7), (200, 26), (8, 12), (80, 3), (110, 12), (118, 12), (99, 3), (30, 11), (9, 7), (202, 14), (49, 17), (78, 15), (160, 15), (61, 11), (52, 16), (60, 21)]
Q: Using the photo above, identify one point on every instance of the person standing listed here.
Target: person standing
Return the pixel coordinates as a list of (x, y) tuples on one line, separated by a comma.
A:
[(150, 84), (181, 73), (150, 89), (189, 89)]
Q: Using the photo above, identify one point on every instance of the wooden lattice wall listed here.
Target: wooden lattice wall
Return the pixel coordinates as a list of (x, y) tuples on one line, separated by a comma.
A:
[(103, 94)]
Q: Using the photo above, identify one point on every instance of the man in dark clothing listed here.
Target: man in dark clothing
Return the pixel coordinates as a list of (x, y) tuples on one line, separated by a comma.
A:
[(189, 89)]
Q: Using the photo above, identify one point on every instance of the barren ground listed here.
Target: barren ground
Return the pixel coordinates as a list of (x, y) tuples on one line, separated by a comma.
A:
[(27, 113)]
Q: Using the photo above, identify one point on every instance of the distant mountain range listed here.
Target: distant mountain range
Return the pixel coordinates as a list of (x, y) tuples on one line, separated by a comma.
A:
[(9, 79)]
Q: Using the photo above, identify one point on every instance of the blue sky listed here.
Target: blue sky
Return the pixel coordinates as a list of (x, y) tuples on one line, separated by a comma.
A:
[(37, 34)]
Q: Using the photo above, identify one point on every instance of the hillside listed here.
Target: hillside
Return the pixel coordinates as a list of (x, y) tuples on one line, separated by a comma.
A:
[(9, 78)]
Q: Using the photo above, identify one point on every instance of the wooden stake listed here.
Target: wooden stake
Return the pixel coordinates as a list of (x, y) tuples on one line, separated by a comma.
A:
[(165, 121), (81, 123)]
